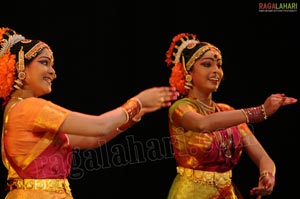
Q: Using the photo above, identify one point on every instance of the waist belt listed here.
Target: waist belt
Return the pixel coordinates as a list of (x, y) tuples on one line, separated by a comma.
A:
[(207, 177), (56, 185)]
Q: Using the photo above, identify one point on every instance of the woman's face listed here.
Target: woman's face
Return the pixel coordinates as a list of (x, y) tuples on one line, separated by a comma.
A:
[(207, 71), (40, 73)]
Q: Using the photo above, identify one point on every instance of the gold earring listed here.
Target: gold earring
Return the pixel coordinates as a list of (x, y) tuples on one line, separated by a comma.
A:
[(20, 65), (188, 82)]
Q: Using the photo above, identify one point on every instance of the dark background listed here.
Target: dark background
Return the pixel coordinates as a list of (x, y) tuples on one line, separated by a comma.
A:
[(106, 52)]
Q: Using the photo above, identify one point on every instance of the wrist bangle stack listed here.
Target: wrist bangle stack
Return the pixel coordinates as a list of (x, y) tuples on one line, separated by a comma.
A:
[(255, 114), (132, 107)]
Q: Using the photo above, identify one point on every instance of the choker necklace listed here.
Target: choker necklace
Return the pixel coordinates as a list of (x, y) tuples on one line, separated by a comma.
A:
[(206, 108)]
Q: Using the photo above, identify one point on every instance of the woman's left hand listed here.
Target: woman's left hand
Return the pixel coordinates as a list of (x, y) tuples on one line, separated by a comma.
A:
[(265, 186)]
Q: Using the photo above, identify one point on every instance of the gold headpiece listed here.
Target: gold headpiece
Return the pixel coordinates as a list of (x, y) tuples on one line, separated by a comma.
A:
[(180, 78), (184, 50)]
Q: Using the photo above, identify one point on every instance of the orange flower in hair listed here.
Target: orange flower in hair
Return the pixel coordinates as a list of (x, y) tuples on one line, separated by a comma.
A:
[(173, 59), (2, 31), (170, 55), (7, 61), (7, 74), (177, 78)]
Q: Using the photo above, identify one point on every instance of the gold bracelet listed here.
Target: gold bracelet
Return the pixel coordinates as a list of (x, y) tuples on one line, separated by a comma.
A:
[(138, 100), (265, 174), (126, 113), (132, 107), (264, 111), (247, 118)]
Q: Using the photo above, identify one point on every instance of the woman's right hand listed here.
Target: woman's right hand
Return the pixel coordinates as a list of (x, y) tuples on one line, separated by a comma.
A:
[(155, 98), (275, 101)]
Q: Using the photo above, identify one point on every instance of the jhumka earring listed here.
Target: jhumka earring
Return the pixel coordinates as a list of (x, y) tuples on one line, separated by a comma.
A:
[(188, 78), (188, 82), (20, 68)]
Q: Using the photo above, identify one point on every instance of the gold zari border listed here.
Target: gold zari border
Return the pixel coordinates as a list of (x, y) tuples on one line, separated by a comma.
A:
[(56, 185), (206, 177)]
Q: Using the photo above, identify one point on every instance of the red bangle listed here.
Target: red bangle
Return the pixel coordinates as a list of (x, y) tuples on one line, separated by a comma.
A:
[(255, 114)]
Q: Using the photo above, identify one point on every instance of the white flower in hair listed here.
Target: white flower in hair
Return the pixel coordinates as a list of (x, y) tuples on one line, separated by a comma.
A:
[(182, 47), (6, 44)]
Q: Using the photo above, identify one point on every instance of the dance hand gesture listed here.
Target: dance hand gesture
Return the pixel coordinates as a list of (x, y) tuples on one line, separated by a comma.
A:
[(265, 186), (155, 98), (275, 101)]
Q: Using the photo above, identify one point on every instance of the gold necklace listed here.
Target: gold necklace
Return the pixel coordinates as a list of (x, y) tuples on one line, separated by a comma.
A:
[(206, 108), (225, 138)]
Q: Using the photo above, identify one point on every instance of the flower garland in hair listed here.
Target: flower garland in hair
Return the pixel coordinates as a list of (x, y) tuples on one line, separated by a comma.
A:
[(7, 74), (170, 53), (177, 78), (2, 31), (7, 69)]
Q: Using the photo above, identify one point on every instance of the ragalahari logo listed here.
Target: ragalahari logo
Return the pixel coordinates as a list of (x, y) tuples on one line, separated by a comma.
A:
[(277, 7)]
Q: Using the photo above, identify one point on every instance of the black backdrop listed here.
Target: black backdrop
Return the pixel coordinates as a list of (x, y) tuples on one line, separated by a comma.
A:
[(107, 52)]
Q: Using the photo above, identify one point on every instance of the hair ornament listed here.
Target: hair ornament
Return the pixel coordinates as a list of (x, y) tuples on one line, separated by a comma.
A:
[(8, 38), (180, 78), (7, 74), (6, 44), (179, 43), (33, 51)]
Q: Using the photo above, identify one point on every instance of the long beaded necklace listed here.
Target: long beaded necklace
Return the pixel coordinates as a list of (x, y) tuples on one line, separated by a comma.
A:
[(225, 138), (226, 142)]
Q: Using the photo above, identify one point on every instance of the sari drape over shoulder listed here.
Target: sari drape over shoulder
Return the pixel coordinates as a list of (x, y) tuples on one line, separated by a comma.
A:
[(32, 147)]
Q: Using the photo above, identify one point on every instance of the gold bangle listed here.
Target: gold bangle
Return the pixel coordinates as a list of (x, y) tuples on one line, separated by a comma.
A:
[(126, 113), (138, 100), (265, 174), (264, 111), (247, 118), (132, 107)]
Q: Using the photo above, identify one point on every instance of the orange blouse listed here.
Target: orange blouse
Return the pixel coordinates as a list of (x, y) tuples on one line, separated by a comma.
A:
[(31, 144)]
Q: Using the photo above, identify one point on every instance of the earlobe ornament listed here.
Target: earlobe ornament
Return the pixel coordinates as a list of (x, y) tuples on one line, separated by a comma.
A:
[(20, 65), (188, 82)]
